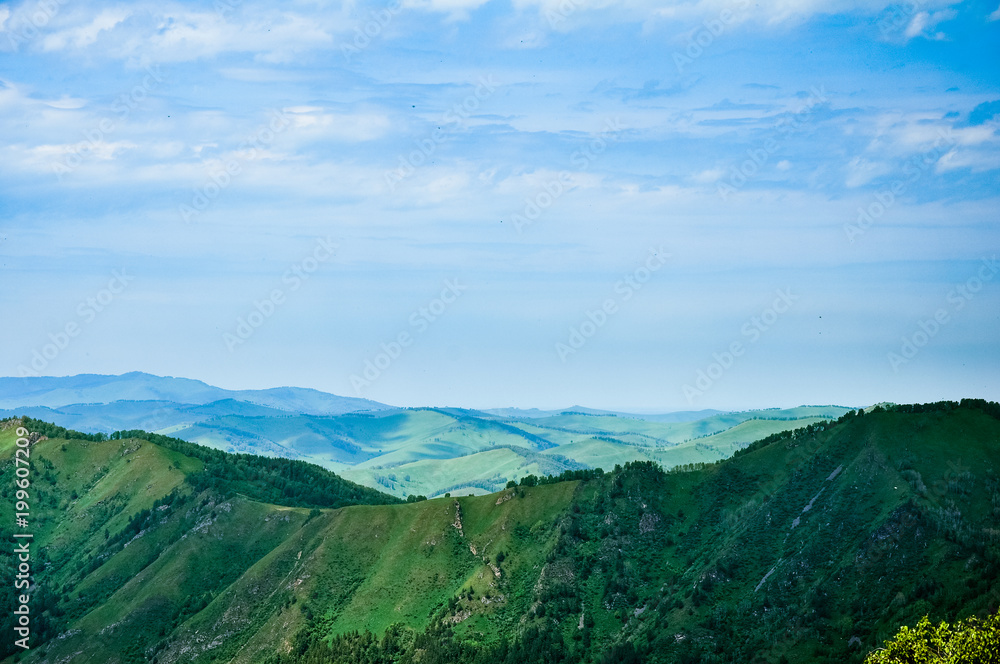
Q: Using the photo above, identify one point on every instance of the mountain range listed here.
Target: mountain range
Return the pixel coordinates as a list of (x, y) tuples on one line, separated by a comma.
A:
[(810, 545), (97, 389), (403, 451)]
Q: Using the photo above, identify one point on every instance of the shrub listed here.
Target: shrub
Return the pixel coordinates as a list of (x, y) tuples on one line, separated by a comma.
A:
[(969, 640)]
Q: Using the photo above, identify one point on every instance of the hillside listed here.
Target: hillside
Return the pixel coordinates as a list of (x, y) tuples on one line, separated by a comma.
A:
[(402, 451), (807, 546), (429, 451)]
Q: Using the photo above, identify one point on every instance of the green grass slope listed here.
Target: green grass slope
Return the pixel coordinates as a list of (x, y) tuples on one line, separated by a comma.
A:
[(481, 472), (132, 537), (807, 546), (380, 449)]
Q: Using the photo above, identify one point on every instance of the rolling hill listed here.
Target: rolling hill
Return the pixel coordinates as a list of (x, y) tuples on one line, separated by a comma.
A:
[(403, 451), (811, 545)]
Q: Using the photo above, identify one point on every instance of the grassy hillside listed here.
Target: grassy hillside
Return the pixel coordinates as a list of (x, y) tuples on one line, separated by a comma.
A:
[(809, 546), (436, 448), (120, 527), (380, 446)]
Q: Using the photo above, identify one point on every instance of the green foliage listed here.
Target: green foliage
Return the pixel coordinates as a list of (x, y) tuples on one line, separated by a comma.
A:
[(50, 430), (967, 641), (582, 475), (439, 644), (267, 479), (811, 546)]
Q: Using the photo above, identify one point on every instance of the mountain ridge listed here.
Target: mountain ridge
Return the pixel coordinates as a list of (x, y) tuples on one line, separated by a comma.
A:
[(813, 545), (55, 392), (405, 451)]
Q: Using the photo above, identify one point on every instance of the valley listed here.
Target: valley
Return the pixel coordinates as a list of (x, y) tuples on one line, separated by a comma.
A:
[(402, 451), (810, 545)]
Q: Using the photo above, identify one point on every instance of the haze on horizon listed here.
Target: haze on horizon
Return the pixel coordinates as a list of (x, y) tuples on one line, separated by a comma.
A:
[(642, 206)]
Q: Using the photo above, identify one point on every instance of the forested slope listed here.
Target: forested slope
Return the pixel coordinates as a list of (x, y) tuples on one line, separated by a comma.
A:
[(807, 546)]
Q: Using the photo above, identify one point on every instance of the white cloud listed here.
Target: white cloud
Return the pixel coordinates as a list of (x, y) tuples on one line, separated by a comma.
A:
[(85, 35), (150, 32), (902, 135), (708, 176), (995, 16), (974, 160), (923, 23), (860, 171), (561, 14), (456, 9), (315, 123), (535, 181), (977, 135), (172, 32), (62, 157), (447, 186), (262, 75), (67, 103), (50, 119), (191, 35)]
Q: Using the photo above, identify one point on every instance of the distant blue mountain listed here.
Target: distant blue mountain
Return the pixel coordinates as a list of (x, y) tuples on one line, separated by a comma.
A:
[(402, 450), (534, 413), (56, 392)]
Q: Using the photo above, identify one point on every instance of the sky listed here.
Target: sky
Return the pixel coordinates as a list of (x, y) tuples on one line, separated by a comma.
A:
[(637, 205)]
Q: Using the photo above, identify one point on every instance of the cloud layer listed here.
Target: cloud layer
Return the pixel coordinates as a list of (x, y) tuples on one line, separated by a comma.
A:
[(536, 151)]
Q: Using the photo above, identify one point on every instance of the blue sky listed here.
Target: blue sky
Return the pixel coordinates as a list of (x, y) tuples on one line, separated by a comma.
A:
[(635, 205)]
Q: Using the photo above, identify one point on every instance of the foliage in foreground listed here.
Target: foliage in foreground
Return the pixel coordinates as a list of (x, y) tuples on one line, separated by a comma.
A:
[(969, 640)]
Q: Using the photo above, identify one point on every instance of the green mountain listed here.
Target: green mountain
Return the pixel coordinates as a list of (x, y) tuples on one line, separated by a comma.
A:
[(431, 451), (402, 451), (809, 545)]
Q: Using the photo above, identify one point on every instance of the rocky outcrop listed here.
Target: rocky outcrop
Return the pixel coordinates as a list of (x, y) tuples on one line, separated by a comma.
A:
[(458, 519)]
